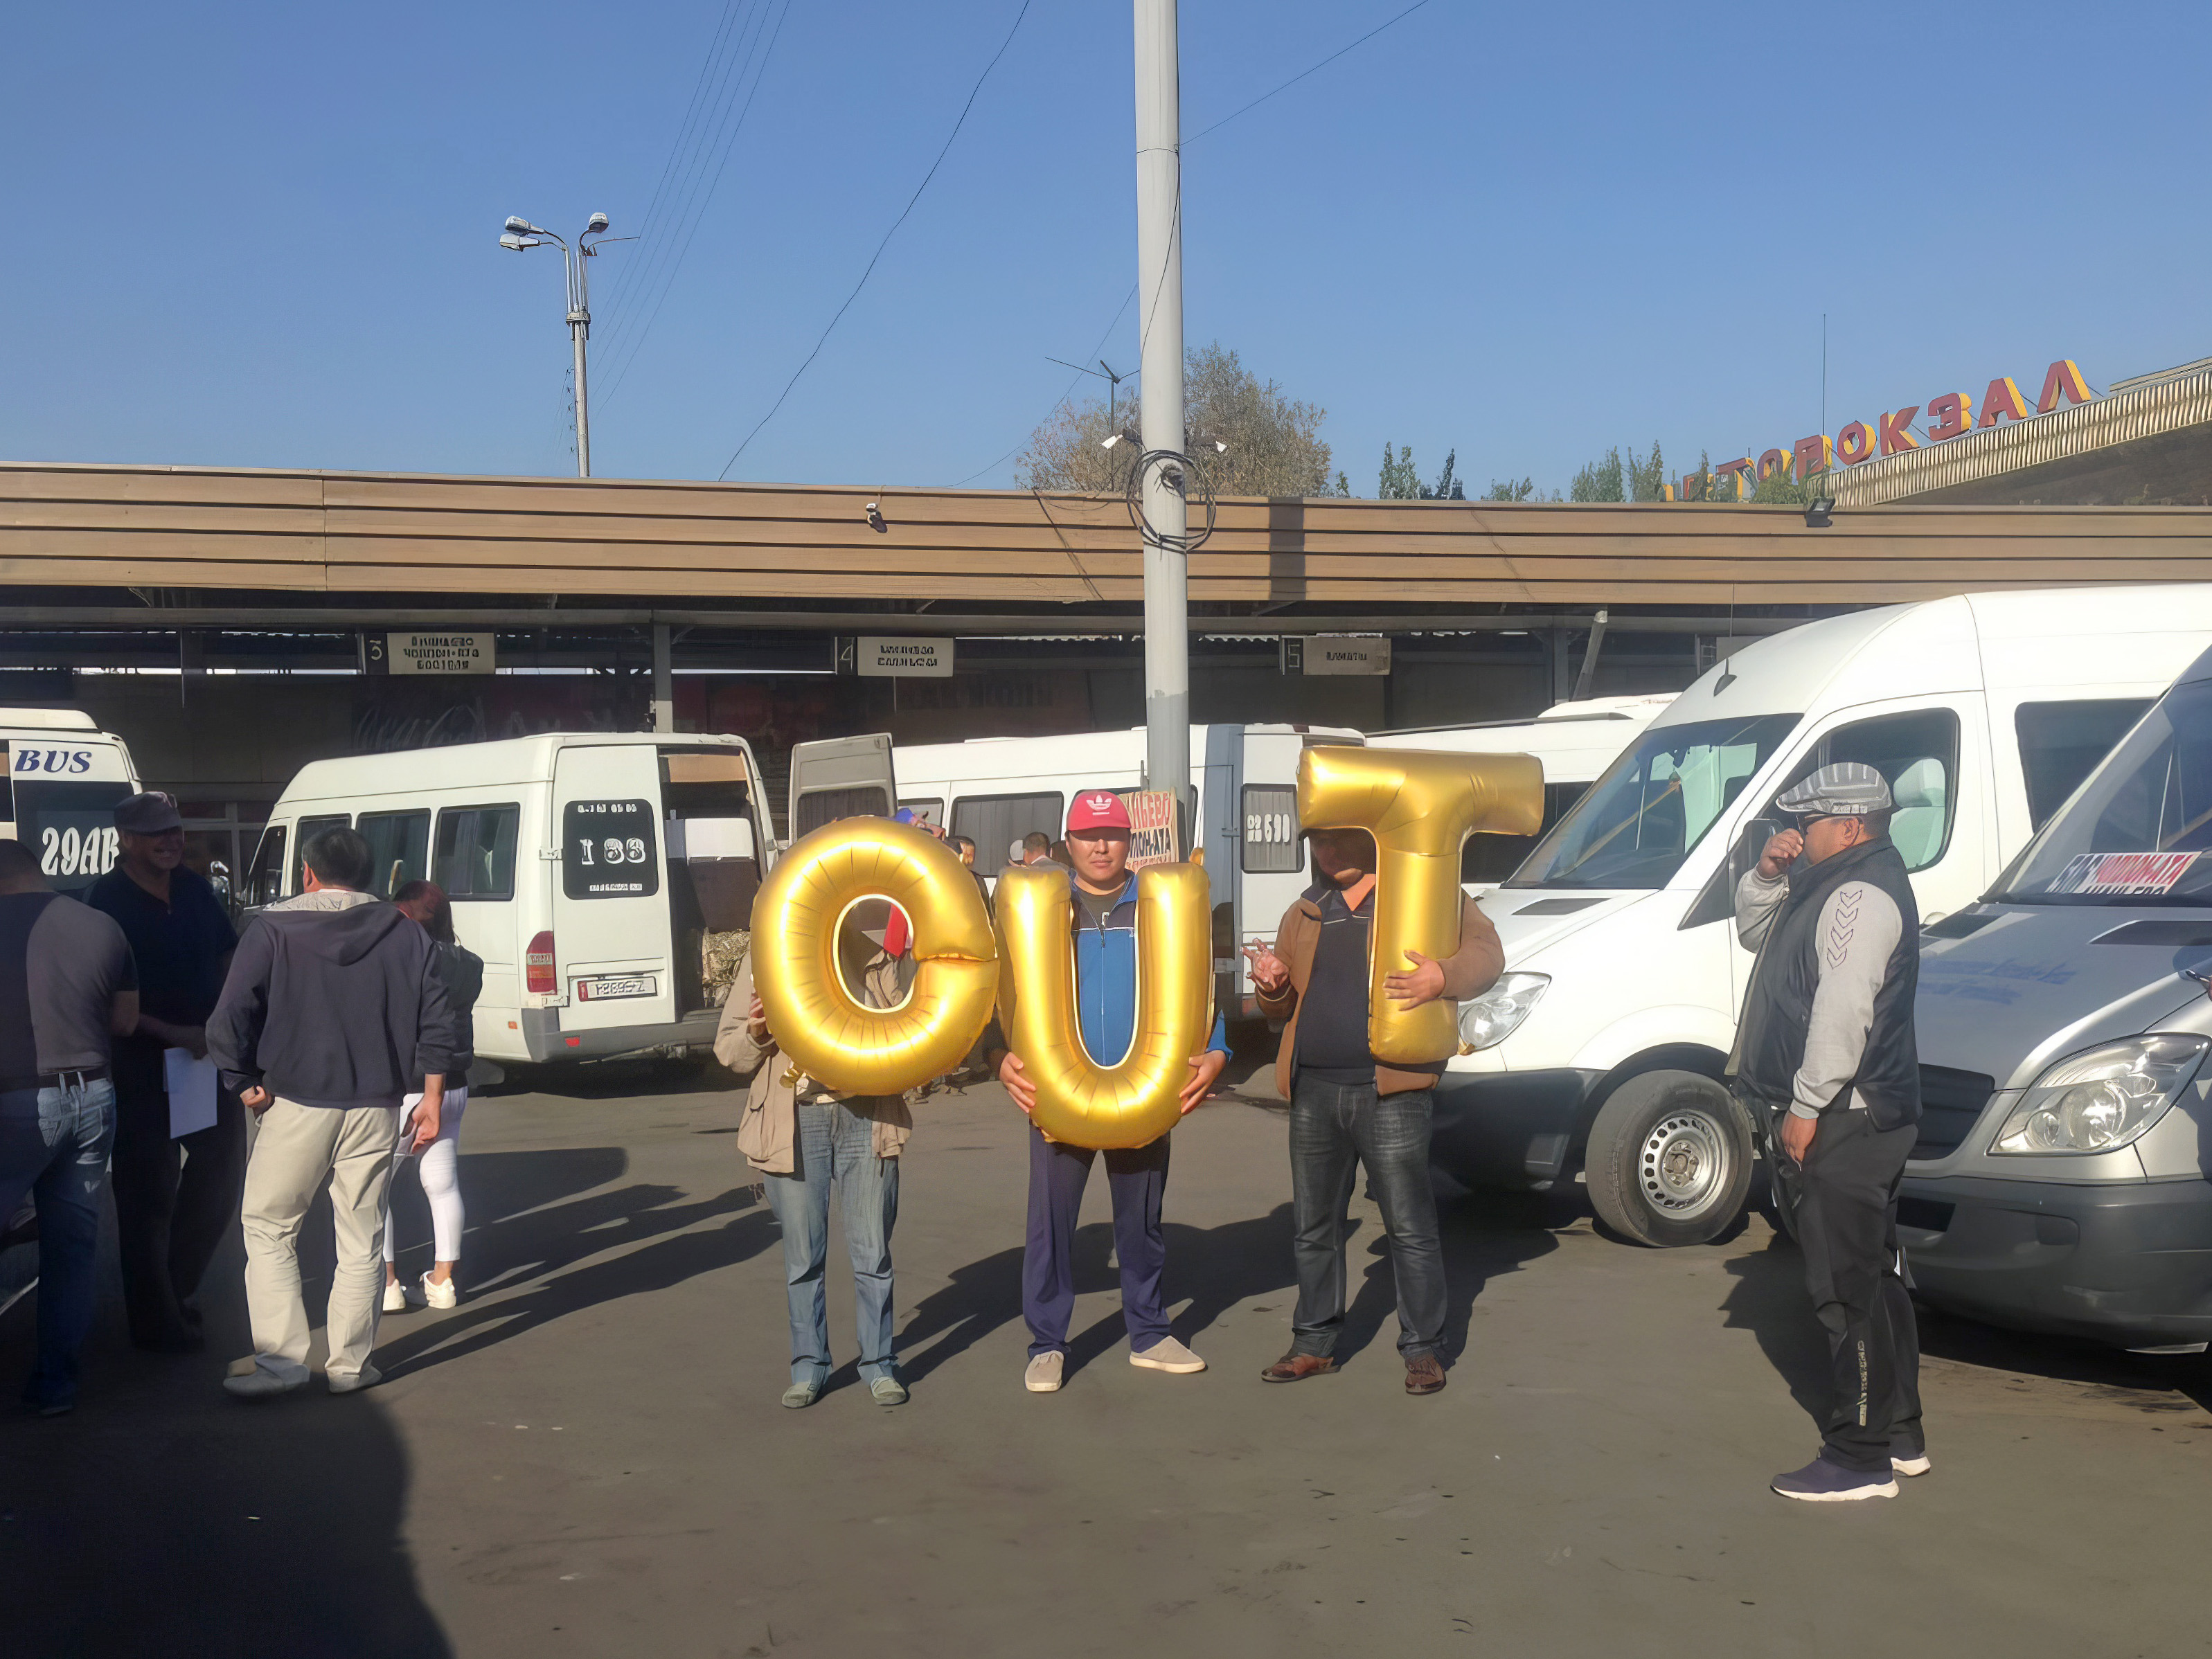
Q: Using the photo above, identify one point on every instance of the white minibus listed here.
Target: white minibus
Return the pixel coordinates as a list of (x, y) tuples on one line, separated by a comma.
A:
[(1601, 1050), (1574, 741), (63, 775), (997, 790), (590, 871)]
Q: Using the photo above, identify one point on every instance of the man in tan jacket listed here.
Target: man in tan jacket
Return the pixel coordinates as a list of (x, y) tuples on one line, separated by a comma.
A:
[(1347, 1107), (804, 1139)]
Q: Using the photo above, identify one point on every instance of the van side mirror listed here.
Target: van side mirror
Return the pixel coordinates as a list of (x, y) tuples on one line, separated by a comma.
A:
[(1749, 845), (219, 879)]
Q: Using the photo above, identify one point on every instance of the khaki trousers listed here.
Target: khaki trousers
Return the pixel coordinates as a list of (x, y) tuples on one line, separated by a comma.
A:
[(294, 1148)]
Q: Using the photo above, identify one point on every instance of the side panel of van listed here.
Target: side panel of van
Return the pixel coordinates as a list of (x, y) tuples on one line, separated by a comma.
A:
[(610, 926)]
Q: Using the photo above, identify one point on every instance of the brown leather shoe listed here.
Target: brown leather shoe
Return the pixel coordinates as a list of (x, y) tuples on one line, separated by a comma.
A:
[(1297, 1367), (1425, 1374)]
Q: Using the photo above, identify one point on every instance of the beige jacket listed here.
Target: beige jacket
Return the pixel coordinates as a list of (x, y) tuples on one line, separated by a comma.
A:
[(771, 1118), (1468, 972)]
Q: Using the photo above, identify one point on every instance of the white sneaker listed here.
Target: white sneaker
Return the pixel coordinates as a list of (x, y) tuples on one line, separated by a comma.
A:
[(435, 1295), (367, 1378), (1042, 1375), (262, 1376), (1168, 1355), (395, 1296)]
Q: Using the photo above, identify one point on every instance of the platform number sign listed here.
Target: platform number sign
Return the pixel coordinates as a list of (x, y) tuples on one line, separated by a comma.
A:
[(607, 850)]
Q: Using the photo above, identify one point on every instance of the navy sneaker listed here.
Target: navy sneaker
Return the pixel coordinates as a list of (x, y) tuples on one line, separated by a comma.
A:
[(1822, 1482), (1908, 1459)]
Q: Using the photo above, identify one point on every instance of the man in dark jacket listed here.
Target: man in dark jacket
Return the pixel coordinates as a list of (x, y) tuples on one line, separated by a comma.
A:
[(1826, 1052), (1347, 1107), (332, 1013)]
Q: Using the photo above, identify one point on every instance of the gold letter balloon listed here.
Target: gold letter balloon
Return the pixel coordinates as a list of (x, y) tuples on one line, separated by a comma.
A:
[(1106, 1102), (1420, 806), (819, 1024)]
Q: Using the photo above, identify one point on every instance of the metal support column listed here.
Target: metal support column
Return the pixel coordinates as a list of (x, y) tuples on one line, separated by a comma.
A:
[(664, 681), (1160, 299)]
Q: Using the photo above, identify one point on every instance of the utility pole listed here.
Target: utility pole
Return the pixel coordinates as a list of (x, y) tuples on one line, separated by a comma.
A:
[(1159, 296), (520, 234)]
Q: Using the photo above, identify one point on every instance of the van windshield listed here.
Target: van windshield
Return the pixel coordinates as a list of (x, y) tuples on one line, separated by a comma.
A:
[(1640, 820), (2139, 831)]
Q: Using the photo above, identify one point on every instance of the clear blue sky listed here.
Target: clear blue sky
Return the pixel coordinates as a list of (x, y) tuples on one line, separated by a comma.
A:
[(264, 235)]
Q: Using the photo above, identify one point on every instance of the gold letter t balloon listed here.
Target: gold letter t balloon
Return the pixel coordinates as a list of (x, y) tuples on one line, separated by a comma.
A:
[(1420, 807)]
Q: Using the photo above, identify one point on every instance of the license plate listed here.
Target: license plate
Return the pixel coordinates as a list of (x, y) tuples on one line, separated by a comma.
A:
[(606, 990)]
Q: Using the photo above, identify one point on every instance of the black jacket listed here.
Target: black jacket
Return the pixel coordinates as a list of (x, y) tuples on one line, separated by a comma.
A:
[(462, 969), (333, 1003), (1778, 1007)]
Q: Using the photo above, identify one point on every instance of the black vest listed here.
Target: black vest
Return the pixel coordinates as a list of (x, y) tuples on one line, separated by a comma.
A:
[(1778, 1007)]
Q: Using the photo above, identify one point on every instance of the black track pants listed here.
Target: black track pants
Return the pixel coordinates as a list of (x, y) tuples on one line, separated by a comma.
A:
[(1847, 1225)]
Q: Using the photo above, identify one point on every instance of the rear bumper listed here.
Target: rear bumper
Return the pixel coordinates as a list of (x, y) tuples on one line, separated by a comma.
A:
[(1511, 1128), (2128, 1263), (543, 1039)]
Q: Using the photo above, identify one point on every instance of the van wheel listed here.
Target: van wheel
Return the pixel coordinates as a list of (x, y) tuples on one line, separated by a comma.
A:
[(1669, 1159)]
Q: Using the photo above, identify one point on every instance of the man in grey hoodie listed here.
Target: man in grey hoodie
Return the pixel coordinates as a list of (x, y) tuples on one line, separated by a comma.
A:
[(331, 1013)]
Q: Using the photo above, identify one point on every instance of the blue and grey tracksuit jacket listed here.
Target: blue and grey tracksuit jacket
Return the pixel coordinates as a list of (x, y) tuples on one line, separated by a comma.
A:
[(1106, 980)]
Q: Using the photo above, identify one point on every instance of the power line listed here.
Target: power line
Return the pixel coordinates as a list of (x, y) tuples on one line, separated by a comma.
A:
[(1063, 396), (1301, 74), (973, 93)]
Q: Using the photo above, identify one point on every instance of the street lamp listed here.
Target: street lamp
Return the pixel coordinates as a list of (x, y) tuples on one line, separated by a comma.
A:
[(519, 233)]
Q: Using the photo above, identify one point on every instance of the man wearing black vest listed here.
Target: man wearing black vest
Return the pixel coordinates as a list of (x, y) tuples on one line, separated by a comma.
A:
[(1826, 1049)]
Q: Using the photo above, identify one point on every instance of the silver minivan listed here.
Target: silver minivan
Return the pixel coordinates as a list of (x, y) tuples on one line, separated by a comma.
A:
[(2060, 1182)]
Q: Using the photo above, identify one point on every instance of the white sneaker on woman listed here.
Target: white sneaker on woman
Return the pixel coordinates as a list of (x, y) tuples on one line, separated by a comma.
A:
[(439, 1294), (395, 1296)]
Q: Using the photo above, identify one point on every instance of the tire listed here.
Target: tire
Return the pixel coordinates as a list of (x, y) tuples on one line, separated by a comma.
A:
[(1669, 1159)]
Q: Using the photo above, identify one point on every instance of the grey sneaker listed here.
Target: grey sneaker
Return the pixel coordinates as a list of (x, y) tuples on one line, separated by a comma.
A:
[(799, 1395), (1168, 1355), (888, 1391), (1042, 1375), (367, 1378), (262, 1376), (1822, 1482)]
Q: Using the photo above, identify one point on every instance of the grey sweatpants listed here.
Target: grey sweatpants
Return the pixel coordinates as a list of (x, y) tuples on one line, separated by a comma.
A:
[(294, 1148)]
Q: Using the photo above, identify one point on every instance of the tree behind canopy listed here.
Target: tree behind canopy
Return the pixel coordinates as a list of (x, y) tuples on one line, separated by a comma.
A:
[(1275, 446)]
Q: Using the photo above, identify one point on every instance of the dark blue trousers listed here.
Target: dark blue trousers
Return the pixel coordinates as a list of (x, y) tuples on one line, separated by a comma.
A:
[(1138, 1179)]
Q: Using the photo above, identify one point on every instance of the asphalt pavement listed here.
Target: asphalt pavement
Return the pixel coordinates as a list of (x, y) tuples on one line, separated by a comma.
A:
[(587, 1456)]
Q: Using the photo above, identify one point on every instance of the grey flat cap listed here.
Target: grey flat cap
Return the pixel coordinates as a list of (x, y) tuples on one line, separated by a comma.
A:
[(1845, 789), (149, 814)]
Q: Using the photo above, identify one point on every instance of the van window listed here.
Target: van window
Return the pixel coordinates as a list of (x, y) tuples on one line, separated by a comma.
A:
[(70, 827), (1638, 822), (309, 828), (399, 848), (2061, 743), (1271, 830), (1918, 754), (607, 849), (927, 809), (265, 885), (819, 806), (1493, 858), (476, 852), (996, 822)]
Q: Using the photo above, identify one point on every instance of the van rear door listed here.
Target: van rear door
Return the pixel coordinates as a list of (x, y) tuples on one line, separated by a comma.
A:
[(58, 796), (839, 778), (611, 929)]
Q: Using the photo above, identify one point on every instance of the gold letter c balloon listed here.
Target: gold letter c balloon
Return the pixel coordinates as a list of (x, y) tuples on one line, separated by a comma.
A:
[(1420, 806), (1106, 1102), (818, 1022)]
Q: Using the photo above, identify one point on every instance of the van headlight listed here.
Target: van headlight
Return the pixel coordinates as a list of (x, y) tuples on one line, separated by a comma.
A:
[(1488, 1020), (2102, 1100)]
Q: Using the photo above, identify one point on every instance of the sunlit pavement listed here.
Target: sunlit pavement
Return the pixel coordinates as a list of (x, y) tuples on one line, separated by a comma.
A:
[(587, 1456)]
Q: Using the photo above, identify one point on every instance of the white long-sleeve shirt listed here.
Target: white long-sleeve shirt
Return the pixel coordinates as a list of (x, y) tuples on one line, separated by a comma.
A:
[(1858, 932)]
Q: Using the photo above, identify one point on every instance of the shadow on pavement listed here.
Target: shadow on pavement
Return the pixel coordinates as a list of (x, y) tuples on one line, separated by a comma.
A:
[(542, 1235)]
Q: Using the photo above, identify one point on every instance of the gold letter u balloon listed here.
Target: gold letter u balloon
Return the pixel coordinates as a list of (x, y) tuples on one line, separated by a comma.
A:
[(824, 1030), (1421, 805), (1103, 1101)]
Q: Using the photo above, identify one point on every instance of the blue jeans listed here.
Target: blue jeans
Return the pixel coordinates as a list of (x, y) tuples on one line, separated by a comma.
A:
[(836, 1144), (1334, 1128), (54, 1145)]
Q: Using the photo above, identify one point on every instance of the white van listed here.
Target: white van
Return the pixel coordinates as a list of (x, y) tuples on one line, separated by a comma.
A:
[(997, 790), (1574, 742), (1602, 1046), (64, 776), (589, 870)]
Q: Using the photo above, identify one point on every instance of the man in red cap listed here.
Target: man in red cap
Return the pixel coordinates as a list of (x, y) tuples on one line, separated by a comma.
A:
[(1105, 894)]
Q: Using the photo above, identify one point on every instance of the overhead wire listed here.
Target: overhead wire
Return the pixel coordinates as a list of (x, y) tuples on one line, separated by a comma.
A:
[(1063, 396), (973, 93)]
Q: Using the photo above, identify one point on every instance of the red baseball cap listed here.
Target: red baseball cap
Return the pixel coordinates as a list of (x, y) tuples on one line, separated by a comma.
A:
[(1098, 808)]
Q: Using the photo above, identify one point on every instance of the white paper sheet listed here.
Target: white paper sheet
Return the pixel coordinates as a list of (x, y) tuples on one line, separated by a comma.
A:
[(191, 1092)]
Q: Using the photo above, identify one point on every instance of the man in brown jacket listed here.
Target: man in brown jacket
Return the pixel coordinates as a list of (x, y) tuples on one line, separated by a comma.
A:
[(804, 1138), (1347, 1107)]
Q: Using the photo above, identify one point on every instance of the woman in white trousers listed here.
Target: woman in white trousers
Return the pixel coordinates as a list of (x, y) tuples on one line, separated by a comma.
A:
[(438, 1164)]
